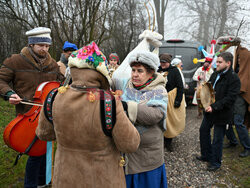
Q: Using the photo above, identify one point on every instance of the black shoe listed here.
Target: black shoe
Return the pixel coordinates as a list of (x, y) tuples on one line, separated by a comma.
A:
[(245, 153), (203, 159), (212, 168), (229, 145)]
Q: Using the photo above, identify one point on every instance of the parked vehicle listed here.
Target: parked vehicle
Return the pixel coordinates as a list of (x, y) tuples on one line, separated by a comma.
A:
[(186, 51)]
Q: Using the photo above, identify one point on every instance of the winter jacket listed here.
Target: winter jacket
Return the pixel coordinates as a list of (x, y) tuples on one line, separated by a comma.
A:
[(85, 156), (25, 74), (147, 110), (242, 68), (226, 90), (174, 80)]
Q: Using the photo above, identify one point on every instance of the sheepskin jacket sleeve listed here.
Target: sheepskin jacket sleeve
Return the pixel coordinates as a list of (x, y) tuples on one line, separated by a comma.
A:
[(125, 135), (45, 129), (149, 116)]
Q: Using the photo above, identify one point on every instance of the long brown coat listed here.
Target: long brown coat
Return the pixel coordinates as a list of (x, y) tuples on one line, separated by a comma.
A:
[(243, 62), (25, 75), (85, 156)]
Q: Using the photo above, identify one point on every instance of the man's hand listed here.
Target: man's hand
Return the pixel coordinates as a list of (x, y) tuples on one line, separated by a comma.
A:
[(209, 109), (14, 99)]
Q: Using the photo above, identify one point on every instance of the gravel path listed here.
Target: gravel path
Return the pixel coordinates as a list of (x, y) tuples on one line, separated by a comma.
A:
[(183, 170)]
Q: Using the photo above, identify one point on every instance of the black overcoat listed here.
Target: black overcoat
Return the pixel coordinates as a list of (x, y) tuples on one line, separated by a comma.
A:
[(174, 80), (226, 90)]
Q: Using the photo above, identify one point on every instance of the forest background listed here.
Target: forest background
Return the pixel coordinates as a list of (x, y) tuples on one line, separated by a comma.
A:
[(116, 24)]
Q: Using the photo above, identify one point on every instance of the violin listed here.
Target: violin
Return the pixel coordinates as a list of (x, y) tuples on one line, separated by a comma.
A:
[(20, 134)]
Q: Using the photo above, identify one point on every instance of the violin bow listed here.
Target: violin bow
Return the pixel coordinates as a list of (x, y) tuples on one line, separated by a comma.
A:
[(31, 103), (28, 102)]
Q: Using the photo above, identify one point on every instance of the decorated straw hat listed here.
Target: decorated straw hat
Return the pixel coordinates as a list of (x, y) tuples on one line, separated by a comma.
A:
[(90, 57)]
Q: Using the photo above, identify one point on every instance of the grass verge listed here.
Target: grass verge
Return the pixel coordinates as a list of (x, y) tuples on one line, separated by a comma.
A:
[(237, 170), (9, 176)]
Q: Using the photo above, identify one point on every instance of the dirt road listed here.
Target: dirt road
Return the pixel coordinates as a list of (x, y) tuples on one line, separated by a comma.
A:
[(183, 170)]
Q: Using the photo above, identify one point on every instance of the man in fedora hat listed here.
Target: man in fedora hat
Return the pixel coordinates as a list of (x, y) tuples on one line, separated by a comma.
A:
[(26, 70)]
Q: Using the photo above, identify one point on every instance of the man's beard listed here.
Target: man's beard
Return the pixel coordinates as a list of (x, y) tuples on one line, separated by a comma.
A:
[(41, 55)]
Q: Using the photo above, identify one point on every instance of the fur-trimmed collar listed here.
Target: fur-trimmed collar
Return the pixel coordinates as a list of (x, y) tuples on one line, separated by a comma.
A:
[(159, 80), (26, 53)]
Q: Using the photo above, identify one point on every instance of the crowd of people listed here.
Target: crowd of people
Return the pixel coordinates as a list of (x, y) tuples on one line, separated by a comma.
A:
[(109, 140)]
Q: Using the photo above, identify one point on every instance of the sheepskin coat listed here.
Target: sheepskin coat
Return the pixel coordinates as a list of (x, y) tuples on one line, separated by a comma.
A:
[(147, 108), (85, 156), (25, 74), (242, 68)]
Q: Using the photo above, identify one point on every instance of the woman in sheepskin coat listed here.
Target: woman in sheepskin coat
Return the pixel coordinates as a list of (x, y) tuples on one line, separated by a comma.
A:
[(85, 156), (145, 99)]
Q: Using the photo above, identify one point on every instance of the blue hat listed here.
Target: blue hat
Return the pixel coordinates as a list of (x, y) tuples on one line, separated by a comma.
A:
[(69, 46)]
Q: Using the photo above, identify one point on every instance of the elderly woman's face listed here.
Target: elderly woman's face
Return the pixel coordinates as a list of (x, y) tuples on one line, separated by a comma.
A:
[(140, 75)]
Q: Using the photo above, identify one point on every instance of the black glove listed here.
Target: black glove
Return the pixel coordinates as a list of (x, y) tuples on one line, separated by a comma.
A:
[(125, 106), (177, 104)]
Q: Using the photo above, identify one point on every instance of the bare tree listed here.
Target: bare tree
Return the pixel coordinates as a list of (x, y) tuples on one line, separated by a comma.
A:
[(207, 19), (126, 22), (160, 7), (113, 24)]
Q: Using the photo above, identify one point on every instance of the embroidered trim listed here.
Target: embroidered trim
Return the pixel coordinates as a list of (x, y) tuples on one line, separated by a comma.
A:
[(107, 104), (108, 112), (48, 104)]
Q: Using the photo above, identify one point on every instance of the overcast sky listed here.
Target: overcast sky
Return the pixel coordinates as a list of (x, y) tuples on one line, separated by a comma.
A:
[(173, 24)]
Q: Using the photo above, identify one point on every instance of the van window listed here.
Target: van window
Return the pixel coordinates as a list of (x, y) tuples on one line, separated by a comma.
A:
[(186, 51)]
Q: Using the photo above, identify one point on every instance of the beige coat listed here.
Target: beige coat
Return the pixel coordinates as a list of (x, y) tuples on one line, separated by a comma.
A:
[(62, 67), (175, 116), (85, 156)]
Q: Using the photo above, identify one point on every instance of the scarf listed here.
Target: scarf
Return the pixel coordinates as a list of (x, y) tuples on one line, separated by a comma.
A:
[(206, 69), (139, 87), (152, 97), (39, 59)]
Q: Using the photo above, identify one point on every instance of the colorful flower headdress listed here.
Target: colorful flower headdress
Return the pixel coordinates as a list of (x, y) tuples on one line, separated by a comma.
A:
[(90, 57)]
